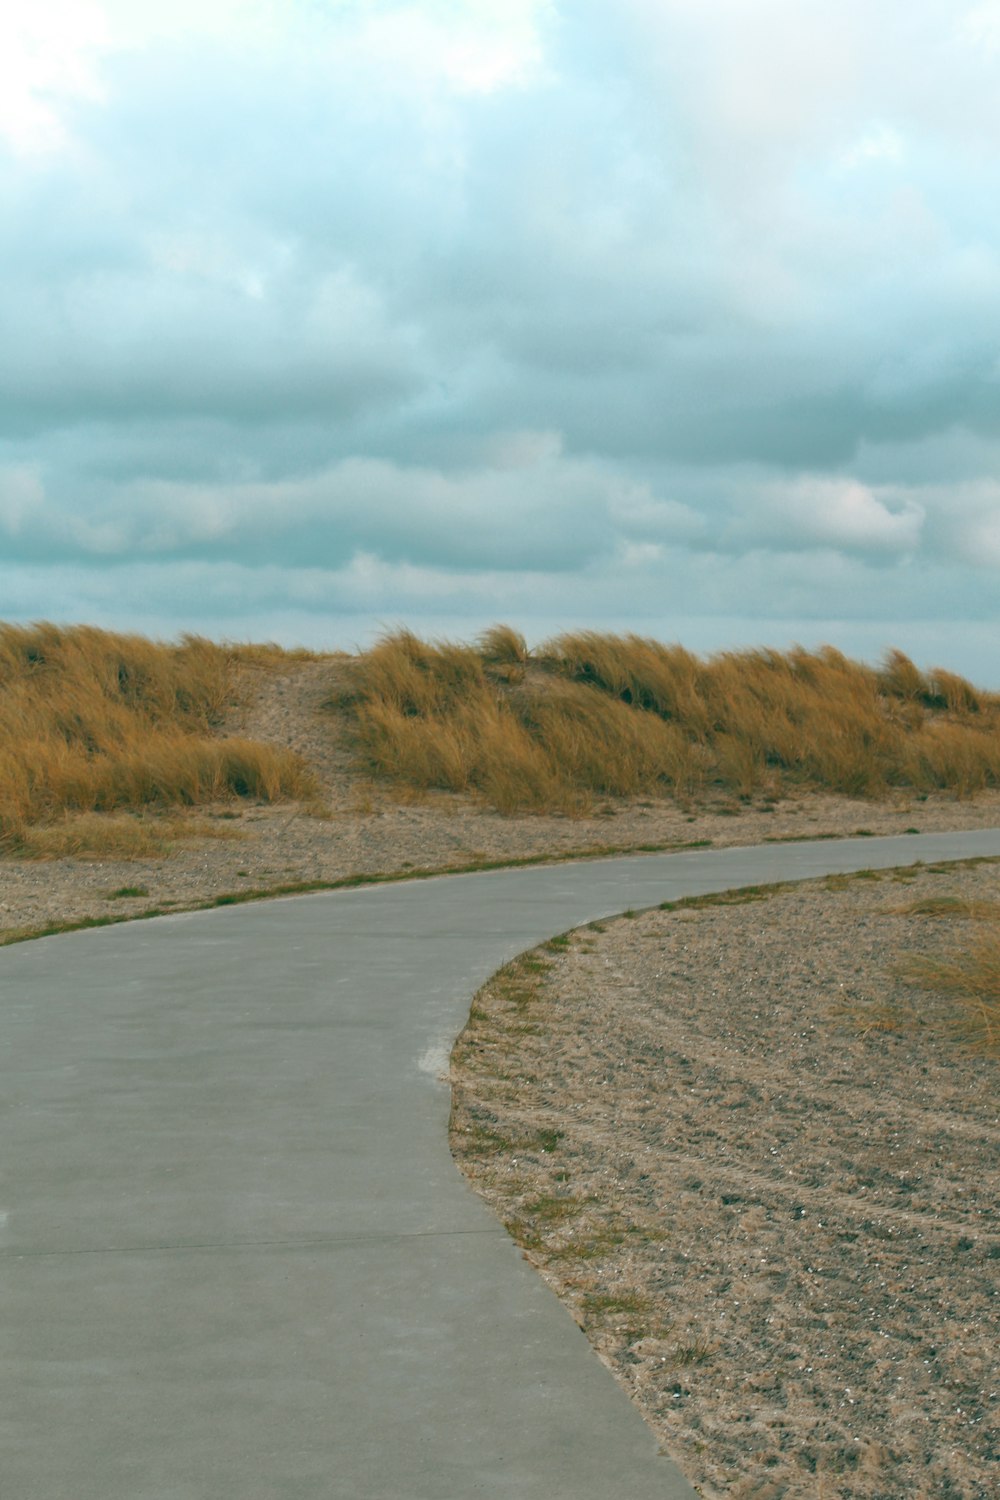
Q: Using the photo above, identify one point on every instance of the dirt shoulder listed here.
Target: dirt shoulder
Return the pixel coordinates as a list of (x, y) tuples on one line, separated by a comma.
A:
[(368, 831), (763, 1178)]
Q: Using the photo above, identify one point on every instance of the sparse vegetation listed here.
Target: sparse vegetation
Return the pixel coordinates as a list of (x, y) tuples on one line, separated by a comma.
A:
[(712, 1204), (141, 835), (590, 715), (968, 980), (92, 722)]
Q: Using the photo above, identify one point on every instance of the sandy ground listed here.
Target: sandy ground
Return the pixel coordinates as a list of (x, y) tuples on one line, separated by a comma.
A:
[(764, 1177), (369, 831), (771, 1216)]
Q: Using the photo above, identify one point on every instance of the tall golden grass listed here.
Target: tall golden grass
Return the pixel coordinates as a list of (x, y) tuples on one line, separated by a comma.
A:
[(91, 721), (604, 715)]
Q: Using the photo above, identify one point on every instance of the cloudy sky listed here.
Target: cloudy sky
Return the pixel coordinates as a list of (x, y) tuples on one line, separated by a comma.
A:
[(680, 316)]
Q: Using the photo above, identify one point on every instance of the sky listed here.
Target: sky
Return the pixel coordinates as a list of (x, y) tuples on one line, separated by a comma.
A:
[(318, 317)]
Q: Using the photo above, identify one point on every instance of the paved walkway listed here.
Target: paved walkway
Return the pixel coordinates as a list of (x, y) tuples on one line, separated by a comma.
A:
[(237, 1260)]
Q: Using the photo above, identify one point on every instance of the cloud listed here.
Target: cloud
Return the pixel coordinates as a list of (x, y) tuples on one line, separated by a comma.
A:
[(964, 522), (198, 324), (821, 511), (48, 62), (594, 304), (980, 27), (539, 511), (22, 494), (880, 143)]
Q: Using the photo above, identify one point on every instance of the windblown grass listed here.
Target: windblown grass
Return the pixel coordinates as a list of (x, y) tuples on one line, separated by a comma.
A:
[(592, 715), (92, 722), (970, 982), (968, 979)]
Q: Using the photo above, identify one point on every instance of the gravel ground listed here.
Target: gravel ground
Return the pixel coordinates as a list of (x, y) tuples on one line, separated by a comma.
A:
[(763, 1176)]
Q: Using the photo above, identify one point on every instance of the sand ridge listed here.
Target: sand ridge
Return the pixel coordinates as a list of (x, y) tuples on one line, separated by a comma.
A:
[(368, 829)]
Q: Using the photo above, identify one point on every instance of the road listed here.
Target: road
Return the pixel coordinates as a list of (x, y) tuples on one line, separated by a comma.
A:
[(237, 1260)]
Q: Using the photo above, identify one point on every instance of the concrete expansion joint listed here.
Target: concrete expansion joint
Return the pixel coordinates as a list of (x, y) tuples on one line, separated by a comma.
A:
[(329, 1241)]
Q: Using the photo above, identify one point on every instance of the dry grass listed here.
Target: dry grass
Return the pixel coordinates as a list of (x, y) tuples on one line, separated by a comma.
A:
[(948, 906), (968, 979), (269, 654), (502, 646), (92, 722), (591, 715), (118, 835)]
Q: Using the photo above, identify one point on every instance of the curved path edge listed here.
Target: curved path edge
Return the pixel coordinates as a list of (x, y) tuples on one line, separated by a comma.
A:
[(237, 1258)]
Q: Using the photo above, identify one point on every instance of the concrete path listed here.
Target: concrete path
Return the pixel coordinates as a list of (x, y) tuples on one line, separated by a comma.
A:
[(237, 1261)]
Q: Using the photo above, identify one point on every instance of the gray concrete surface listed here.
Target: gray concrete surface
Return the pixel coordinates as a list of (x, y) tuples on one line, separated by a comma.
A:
[(237, 1259)]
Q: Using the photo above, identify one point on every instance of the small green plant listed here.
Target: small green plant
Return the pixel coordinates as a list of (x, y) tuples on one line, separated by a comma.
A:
[(551, 1209), (127, 893), (695, 1353), (741, 896), (844, 882), (631, 1314), (558, 944)]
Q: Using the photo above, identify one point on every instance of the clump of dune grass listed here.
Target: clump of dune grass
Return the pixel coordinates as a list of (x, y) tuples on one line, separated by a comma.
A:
[(118, 835), (504, 651), (95, 722), (590, 714), (501, 645), (270, 654), (970, 983), (436, 716), (949, 906)]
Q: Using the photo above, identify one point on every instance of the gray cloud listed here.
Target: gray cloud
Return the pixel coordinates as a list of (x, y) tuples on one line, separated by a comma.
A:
[(668, 312)]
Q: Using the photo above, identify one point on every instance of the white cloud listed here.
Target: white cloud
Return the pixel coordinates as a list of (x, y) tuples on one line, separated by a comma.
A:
[(980, 540), (643, 515), (826, 511), (226, 261), (53, 53), (965, 520), (880, 143), (980, 27), (474, 46), (471, 46), (48, 56), (21, 495), (640, 554)]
